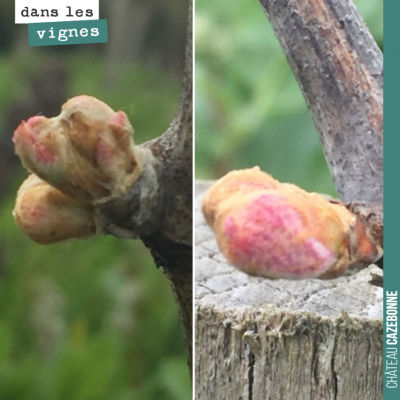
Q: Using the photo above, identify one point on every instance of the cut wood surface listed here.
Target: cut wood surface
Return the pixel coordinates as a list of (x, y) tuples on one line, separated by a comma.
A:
[(278, 339)]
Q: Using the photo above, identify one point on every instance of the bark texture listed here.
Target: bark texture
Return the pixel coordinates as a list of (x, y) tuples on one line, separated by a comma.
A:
[(257, 338), (158, 208), (339, 68)]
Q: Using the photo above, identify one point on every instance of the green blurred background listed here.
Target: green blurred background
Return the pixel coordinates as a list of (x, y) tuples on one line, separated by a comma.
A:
[(88, 319), (249, 108)]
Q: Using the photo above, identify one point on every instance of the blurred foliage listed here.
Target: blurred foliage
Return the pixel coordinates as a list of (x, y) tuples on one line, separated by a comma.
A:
[(94, 318), (139, 93), (249, 108)]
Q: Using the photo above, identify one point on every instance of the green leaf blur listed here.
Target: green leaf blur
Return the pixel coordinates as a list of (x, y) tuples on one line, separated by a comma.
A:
[(249, 108)]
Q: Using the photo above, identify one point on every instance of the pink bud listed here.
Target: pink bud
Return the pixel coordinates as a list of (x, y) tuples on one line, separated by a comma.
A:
[(277, 230)]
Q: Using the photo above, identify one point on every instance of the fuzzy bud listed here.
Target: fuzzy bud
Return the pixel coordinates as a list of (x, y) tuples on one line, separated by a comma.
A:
[(87, 152), (277, 230), (47, 216)]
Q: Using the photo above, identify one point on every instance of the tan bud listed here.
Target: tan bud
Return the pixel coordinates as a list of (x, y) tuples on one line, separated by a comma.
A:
[(233, 183), (47, 216)]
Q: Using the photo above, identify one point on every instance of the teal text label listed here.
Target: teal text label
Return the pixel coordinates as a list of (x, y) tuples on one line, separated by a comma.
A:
[(68, 32)]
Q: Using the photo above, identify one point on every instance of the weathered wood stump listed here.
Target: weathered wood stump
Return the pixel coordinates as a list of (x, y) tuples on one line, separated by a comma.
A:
[(278, 339)]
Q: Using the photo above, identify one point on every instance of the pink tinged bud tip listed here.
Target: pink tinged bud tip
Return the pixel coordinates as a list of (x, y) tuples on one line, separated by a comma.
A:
[(110, 152), (34, 147), (47, 216)]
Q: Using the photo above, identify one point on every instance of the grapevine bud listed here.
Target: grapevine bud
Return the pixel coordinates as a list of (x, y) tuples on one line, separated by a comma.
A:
[(47, 216), (277, 230), (87, 151)]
